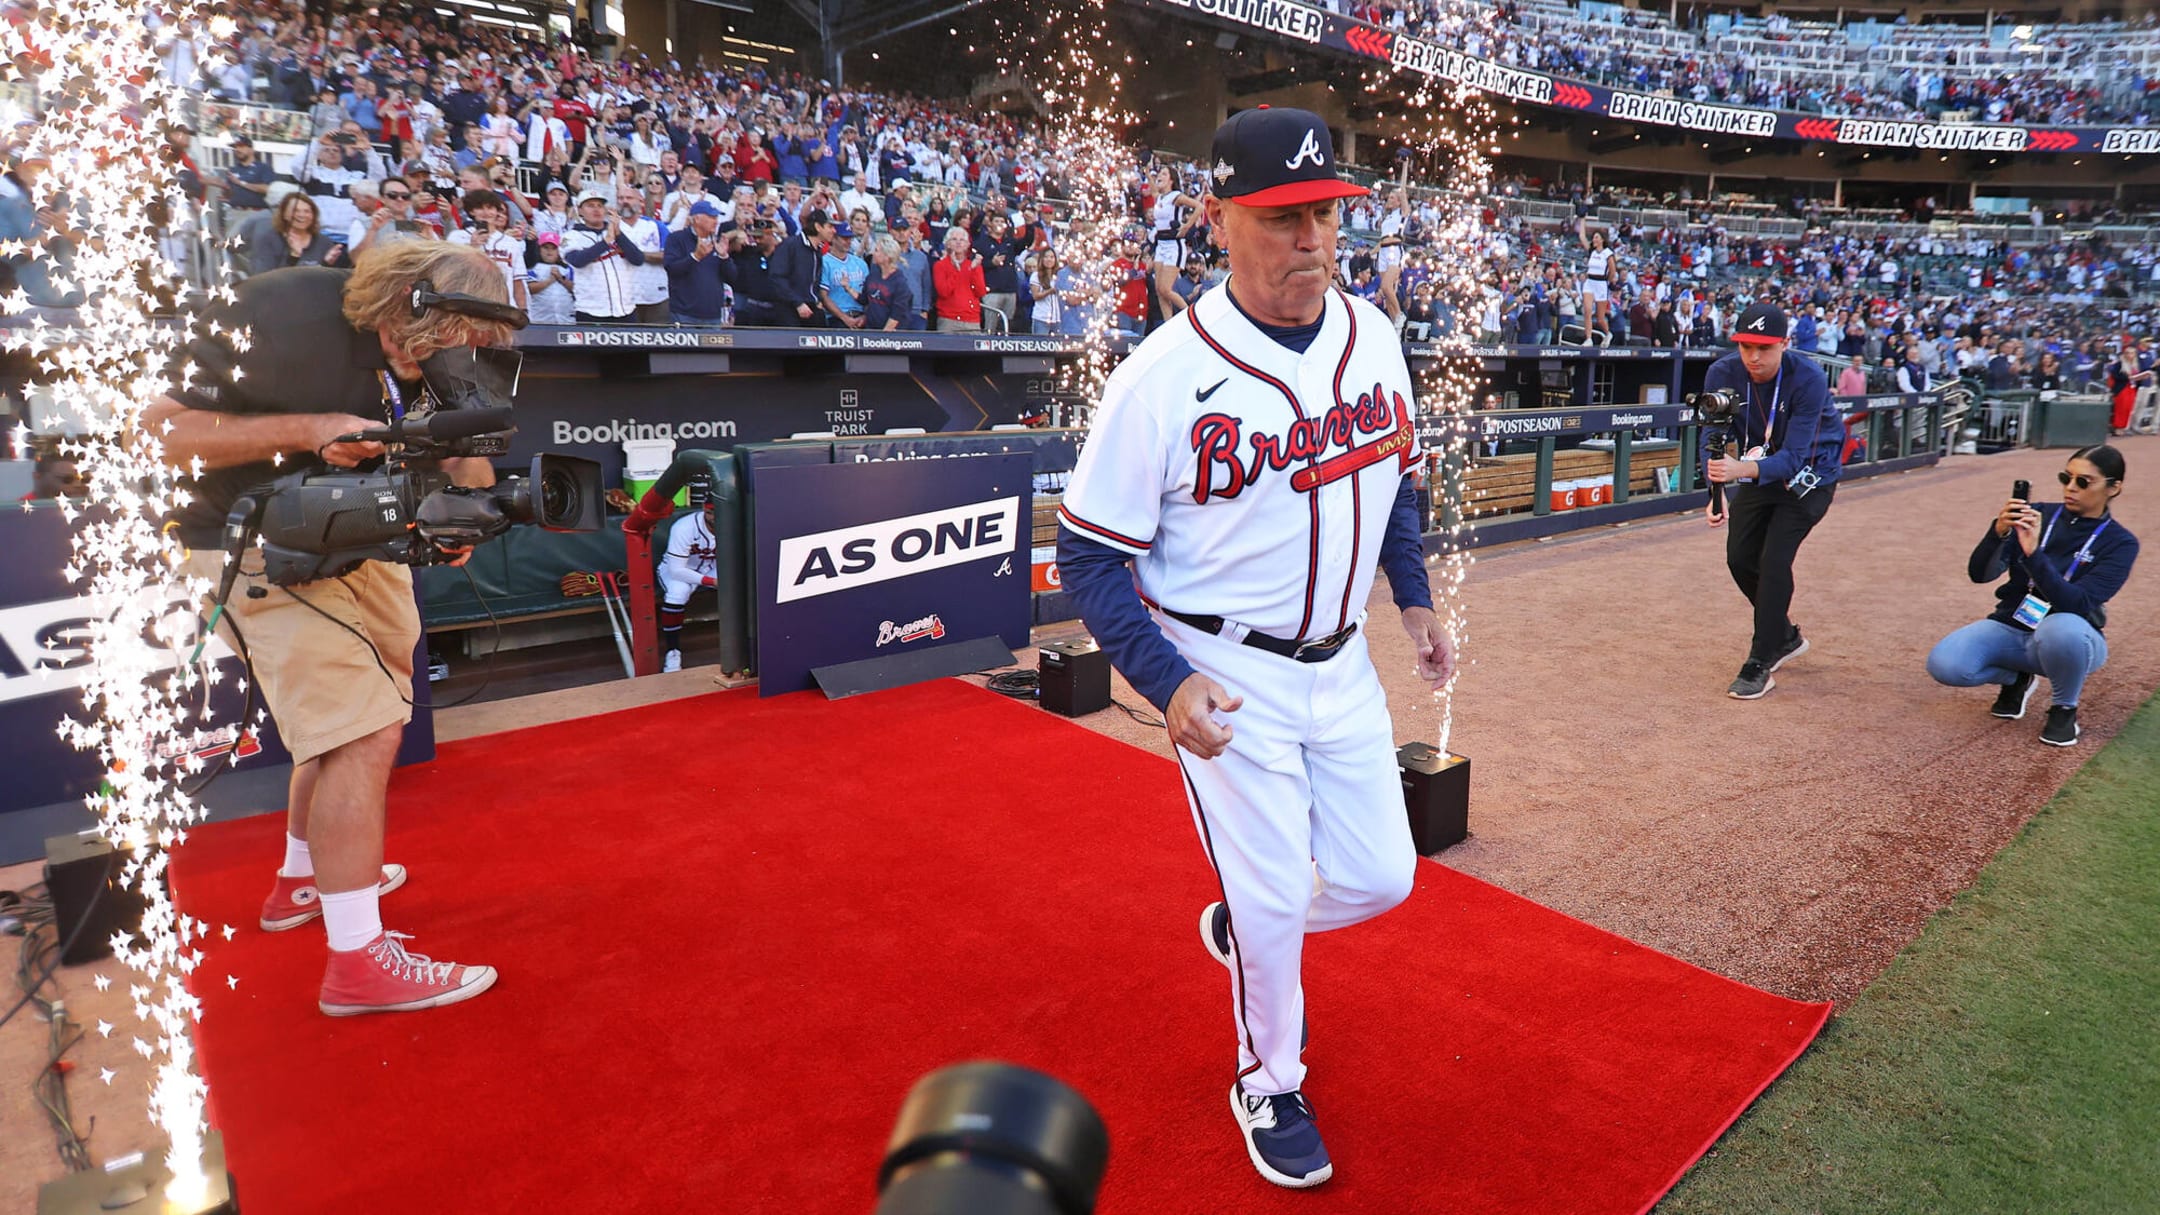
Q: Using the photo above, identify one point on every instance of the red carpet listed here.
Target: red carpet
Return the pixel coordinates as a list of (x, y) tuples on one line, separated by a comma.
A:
[(732, 932)]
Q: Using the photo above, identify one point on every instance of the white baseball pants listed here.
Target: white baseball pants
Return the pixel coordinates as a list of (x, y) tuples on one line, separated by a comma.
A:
[(1309, 782)]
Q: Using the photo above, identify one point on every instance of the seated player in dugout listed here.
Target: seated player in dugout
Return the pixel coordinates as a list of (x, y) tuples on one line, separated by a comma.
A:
[(688, 566)]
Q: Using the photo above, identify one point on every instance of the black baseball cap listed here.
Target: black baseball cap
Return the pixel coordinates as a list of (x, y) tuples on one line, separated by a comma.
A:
[(1761, 325), (1268, 157)]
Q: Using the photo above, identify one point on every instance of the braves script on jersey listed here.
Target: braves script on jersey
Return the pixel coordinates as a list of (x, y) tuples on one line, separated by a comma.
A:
[(1246, 480)]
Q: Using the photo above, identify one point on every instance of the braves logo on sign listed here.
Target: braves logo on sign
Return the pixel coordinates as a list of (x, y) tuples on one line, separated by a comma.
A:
[(929, 627), (1218, 441)]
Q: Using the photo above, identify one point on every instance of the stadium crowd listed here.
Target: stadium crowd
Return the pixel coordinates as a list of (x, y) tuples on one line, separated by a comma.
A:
[(2062, 318), (2096, 83), (643, 192)]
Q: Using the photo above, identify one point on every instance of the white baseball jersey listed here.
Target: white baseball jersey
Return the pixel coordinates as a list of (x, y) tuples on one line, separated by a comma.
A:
[(649, 282), (505, 250), (692, 555), (604, 286), (1248, 481), (1251, 482)]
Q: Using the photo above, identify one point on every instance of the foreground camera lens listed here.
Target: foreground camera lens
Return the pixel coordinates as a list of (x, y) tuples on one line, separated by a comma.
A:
[(993, 1139), (558, 496)]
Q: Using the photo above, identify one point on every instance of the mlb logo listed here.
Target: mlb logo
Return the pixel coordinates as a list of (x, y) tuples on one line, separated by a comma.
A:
[(570, 338), (807, 340)]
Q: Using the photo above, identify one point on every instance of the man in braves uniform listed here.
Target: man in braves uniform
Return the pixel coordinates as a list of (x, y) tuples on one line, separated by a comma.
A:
[(1793, 450), (691, 561), (1251, 462)]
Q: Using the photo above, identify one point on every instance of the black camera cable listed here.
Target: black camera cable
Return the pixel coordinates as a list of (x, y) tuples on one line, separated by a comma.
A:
[(1026, 684), (247, 700), (33, 970), (487, 678), (31, 987)]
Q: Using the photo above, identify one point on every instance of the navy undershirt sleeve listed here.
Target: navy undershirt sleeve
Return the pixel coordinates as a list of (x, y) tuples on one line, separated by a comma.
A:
[(1096, 577), (1402, 550)]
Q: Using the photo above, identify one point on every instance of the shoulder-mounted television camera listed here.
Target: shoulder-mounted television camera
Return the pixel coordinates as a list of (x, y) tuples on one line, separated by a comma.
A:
[(323, 523)]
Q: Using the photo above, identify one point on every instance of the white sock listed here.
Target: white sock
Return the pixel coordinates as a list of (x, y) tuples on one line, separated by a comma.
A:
[(353, 918), (297, 861)]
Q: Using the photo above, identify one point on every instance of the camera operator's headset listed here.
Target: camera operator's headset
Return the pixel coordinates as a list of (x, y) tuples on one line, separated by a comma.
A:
[(424, 297)]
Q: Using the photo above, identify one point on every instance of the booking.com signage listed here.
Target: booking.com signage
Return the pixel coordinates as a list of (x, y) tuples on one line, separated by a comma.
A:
[(862, 560)]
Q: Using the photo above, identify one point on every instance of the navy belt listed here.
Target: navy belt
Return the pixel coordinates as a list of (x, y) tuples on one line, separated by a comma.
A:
[(1319, 649)]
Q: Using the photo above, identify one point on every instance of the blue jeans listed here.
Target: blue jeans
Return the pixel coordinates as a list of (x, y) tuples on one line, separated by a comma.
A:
[(701, 322), (2065, 648)]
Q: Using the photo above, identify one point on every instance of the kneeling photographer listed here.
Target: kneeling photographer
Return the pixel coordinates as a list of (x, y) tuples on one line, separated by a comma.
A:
[(2064, 564), (329, 628), (1776, 407)]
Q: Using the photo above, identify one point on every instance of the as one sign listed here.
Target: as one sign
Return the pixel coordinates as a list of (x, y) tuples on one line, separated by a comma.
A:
[(855, 561)]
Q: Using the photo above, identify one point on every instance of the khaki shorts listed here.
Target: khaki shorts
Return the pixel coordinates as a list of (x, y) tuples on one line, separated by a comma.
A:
[(321, 682)]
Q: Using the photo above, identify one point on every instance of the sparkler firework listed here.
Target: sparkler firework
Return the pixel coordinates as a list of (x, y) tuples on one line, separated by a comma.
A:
[(1064, 56), (1453, 124), (90, 74)]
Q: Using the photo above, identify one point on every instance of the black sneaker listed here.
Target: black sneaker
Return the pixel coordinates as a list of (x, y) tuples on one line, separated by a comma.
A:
[(2061, 729), (1753, 682), (1791, 650), (2010, 702)]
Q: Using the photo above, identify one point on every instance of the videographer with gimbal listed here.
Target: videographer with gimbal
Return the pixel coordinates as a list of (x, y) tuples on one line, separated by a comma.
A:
[(1776, 407), (332, 354)]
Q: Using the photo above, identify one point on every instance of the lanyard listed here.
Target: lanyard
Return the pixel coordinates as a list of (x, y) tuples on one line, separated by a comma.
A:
[(394, 397), (2084, 555), (1776, 386)]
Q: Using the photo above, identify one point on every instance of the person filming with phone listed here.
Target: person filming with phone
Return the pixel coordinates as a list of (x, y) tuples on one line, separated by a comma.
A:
[(2064, 563)]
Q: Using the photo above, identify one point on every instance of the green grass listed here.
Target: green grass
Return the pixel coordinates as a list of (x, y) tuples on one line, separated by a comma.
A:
[(2009, 1060)]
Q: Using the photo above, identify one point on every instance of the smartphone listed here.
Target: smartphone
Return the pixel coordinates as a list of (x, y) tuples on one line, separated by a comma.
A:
[(2021, 490)]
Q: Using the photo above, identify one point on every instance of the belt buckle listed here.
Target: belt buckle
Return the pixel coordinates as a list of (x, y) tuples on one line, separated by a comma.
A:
[(1332, 642)]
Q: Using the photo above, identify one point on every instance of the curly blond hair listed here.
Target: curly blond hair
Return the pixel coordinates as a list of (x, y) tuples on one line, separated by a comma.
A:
[(379, 293)]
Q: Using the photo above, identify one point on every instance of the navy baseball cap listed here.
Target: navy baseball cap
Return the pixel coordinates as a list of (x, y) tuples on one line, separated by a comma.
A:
[(1761, 325), (1268, 157), (704, 206)]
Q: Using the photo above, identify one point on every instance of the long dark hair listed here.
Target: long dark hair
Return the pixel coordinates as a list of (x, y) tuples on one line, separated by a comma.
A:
[(2103, 457)]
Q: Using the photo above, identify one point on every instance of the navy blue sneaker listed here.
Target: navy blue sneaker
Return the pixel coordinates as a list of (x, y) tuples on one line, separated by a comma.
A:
[(1215, 934), (1281, 1138)]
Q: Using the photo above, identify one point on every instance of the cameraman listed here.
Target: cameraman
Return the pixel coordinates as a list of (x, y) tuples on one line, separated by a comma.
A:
[(332, 352), (1792, 439)]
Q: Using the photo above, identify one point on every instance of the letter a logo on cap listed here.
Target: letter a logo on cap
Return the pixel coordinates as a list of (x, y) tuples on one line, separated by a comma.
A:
[(1757, 323), (1310, 149)]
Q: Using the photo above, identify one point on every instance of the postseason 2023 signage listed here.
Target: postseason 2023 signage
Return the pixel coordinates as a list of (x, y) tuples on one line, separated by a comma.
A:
[(1313, 26), (860, 560)]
